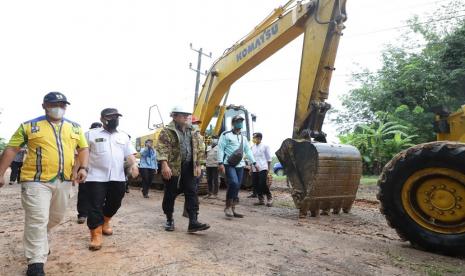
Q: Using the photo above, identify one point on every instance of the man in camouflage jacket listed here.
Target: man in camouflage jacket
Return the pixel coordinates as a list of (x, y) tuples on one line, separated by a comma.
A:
[(180, 152)]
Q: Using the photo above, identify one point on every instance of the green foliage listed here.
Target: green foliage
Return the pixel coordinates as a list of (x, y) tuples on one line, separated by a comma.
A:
[(426, 71), (369, 180), (393, 108), (378, 143)]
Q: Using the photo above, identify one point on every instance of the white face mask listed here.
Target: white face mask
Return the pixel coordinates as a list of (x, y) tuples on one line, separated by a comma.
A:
[(56, 112)]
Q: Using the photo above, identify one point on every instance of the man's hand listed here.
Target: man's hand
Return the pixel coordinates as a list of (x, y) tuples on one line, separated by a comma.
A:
[(81, 176), (134, 171), (166, 171), (249, 169), (257, 169), (221, 169), (7, 157), (198, 170)]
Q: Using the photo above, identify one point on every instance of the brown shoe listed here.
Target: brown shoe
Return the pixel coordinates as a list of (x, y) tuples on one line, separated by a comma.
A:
[(95, 239), (236, 214), (106, 228)]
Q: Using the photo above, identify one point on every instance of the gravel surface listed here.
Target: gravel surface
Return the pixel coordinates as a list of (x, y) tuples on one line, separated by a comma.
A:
[(268, 241)]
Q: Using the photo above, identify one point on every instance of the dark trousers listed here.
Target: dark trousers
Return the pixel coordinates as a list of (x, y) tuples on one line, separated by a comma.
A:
[(15, 171), (259, 180), (147, 177), (234, 181), (186, 186), (105, 199), (83, 203), (212, 178), (254, 186)]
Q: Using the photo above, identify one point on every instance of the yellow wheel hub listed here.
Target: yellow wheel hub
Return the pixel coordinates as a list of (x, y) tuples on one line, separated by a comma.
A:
[(435, 199)]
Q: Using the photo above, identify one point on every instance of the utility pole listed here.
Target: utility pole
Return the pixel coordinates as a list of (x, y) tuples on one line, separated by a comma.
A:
[(198, 70)]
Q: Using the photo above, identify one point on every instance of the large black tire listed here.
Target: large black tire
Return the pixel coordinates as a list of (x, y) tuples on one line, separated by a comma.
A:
[(446, 155)]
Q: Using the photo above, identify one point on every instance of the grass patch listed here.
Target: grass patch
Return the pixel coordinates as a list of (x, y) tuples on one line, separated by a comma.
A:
[(284, 204), (277, 177), (369, 180), (430, 269), (366, 179)]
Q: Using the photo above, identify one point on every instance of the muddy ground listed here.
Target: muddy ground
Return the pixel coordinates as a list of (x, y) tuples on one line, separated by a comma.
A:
[(266, 242)]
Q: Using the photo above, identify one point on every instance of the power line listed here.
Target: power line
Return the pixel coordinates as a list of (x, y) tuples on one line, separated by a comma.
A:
[(414, 6), (198, 70), (419, 46), (405, 26)]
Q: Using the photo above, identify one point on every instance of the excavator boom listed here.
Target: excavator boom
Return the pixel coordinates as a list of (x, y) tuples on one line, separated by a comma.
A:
[(277, 30)]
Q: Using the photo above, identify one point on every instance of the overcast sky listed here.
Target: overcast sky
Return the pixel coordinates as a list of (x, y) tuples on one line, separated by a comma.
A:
[(134, 53)]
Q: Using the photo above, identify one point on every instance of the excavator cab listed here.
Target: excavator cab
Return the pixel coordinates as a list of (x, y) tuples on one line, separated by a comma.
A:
[(221, 123)]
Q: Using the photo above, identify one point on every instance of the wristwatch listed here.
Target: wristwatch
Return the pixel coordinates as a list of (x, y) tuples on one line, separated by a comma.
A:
[(83, 168)]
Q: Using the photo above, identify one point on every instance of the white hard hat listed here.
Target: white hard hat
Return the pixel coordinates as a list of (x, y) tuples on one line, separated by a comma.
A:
[(181, 109)]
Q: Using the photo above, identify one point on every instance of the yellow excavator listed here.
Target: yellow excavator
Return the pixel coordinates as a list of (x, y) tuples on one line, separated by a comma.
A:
[(322, 177), (422, 189)]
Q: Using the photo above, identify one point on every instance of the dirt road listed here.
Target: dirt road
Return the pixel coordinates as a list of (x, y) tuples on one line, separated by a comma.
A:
[(266, 242)]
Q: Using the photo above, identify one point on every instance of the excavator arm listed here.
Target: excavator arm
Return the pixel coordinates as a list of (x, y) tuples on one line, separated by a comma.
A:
[(321, 22)]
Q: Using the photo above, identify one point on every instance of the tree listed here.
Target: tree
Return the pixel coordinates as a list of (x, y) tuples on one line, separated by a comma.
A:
[(378, 143), (424, 71)]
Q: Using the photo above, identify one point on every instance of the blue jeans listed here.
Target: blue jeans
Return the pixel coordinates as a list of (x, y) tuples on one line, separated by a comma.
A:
[(234, 180)]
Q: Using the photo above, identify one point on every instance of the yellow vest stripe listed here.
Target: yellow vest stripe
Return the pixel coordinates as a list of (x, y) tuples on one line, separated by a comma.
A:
[(38, 164), (60, 149)]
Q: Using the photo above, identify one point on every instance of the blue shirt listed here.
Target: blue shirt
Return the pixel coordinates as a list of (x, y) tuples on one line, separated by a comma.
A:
[(148, 159), (228, 143)]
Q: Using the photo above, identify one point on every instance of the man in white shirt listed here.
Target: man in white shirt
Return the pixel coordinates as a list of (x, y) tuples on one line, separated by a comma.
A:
[(106, 182), (262, 156)]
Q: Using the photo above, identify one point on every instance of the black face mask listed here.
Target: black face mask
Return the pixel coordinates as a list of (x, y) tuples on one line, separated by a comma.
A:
[(112, 124)]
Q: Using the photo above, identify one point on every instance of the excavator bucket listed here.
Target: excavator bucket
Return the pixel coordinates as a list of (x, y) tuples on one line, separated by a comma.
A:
[(321, 176)]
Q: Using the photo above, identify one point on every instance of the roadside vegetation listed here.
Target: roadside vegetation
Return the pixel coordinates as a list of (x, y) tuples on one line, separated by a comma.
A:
[(422, 73)]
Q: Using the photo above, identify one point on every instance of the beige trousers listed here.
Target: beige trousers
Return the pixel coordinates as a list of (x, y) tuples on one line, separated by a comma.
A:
[(45, 207)]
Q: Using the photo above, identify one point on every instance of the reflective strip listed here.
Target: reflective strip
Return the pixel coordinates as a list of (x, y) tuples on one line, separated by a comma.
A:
[(60, 173), (62, 156), (38, 164)]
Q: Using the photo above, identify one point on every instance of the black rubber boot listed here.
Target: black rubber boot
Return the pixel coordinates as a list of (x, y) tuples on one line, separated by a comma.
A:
[(261, 201), (36, 269)]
